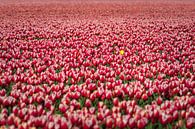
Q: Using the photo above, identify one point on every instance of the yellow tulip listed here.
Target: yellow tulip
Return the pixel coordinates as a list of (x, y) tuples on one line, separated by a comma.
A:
[(122, 52), (2, 127)]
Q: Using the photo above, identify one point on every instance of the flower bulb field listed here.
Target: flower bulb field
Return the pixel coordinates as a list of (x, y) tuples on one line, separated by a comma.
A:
[(97, 64)]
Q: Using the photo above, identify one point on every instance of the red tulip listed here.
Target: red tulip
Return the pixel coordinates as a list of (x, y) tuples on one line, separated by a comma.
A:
[(190, 123), (142, 123), (132, 122)]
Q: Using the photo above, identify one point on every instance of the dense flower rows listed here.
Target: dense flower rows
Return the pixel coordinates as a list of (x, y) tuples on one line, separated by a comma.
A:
[(129, 72)]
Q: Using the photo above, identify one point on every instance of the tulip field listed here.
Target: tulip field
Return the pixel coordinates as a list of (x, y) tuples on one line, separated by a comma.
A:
[(97, 64)]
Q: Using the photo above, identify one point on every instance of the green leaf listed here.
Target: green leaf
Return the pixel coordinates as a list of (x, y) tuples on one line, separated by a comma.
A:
[(103, 126), (152, 79), (169, 126), (167, 77), (155, 95), (82, 101), (57, 103), (69, 81), (107, 65), (142, 103), (36, 104), (122, 112), (38, 38), (191, 70), (58, 70), (81, 81), (55, 82), (57, 111), (117, 77), (179, 76), (149, 126), (127, 97), (21, 51), (9, 88), (9, 109), (125, 81), (160, 52), (132, 80), (108, 103), (14, 71), (158, 125), (136, 52), (95, 102)]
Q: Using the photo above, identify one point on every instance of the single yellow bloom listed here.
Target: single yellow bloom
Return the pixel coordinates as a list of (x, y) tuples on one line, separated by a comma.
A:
[(122, 52), (32, 127), (2, 127)]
